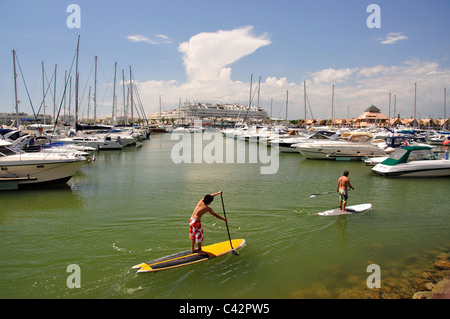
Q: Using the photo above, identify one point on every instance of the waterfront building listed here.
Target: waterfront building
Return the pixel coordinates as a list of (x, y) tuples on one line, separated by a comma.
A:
[(221, 111), (213, 113), (372, 116), (24, 119)]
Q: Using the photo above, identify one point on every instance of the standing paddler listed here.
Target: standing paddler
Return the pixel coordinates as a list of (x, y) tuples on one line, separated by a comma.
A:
[(195, 224), (342, 188)]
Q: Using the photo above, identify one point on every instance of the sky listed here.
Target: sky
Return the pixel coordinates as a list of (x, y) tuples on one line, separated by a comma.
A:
[(211, 51)]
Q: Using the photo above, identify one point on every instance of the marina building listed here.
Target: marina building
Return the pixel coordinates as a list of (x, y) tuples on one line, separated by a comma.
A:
[(212, 112), (223, 111), (373, 116), (24, 119)]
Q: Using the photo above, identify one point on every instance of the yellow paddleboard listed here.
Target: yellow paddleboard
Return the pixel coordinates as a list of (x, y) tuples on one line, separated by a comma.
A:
[(187, 258)]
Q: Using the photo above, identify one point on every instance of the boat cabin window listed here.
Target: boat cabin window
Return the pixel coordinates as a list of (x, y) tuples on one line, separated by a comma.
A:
[(319, 136), (360, 138), (4, 151), (420, 155)]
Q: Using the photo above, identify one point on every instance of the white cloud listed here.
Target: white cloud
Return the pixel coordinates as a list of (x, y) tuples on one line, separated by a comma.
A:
[(355, 90), (206, 54), (393, 37), (164, 38), (140, 38), (333, 76), (208, 58)]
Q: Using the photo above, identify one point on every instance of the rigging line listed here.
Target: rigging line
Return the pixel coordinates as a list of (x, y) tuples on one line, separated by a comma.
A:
[(107, 87), (140, 103), (48, 87), (26, 89), (55, 120), (49, 82), (87, 82), (144, 116)]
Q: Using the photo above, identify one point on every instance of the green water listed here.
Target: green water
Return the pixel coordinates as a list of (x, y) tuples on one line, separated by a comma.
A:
[(133, 205)]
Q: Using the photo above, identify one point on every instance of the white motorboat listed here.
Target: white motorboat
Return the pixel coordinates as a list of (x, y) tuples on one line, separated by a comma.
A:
[(439, 138), (36, 168), (286, 144), (413, 161), (255, 134), (357, 146), (100, 143), (123, 138), (394, 142)]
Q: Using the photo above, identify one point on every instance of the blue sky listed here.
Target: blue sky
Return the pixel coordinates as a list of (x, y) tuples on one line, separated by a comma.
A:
[(207, 50)]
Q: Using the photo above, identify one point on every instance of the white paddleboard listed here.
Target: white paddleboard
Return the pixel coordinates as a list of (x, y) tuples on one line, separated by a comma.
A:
[(350, 210)]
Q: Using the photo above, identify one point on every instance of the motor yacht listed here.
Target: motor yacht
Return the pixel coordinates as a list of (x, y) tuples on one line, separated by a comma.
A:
[(352, 146), (413, 161), (286, 144), (21, 168)]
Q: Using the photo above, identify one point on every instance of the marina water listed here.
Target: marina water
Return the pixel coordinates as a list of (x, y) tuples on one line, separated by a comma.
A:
[(134, 205)]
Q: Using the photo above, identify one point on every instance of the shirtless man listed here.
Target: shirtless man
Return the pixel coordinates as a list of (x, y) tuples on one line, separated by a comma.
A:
[(342, 187), (195, 225)]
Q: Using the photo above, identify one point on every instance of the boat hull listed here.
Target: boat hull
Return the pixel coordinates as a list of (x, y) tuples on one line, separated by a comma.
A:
[(338, 151), (40, 172)]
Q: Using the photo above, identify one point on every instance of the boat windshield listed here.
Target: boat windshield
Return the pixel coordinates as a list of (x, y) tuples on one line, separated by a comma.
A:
[(421, 155), (5, 151), (398, 154), (318, 136), (360, 139)]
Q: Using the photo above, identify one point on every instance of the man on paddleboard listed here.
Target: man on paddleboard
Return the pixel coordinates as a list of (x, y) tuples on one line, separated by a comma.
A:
[(342, 187), (195, 225)]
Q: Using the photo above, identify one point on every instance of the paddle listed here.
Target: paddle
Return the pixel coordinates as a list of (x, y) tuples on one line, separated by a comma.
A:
[(315, 195), (226, 223), (326, 193)]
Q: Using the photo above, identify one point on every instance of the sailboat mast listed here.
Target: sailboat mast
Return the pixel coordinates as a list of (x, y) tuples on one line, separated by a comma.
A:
[(287, 103), (113, 120), (445, 106), (259, 90), (304, 98), (95, 91), (65, 96), (70, 98), (395, 106), (76, 83), (389, 117), (43, 89), (415, 98), (250, 98), (131, 98), (54, 96), (15, 89), (89, 104), (124, 97), (332, 105)]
